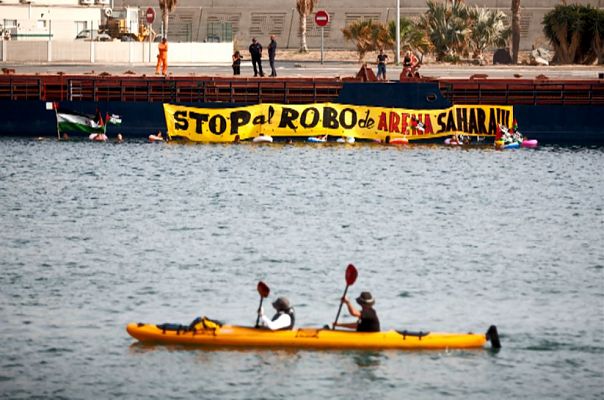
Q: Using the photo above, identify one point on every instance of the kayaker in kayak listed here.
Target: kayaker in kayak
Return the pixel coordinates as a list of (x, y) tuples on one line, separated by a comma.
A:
[(284, 319), (367, 317)]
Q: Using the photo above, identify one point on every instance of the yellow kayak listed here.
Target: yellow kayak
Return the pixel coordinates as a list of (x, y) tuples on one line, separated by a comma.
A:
[(209, 333)]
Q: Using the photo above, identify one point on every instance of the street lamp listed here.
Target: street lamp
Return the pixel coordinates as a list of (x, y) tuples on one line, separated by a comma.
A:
[(398, 32)]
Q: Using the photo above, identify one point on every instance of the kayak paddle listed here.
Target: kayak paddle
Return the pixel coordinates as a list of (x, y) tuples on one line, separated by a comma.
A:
[(264, 291), (351, 277)]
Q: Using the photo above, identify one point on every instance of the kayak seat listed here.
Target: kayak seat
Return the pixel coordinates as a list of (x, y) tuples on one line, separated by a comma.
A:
[(173, 327), (419, 334)]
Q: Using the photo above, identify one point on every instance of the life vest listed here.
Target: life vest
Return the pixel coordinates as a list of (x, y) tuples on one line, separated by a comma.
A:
[(369, 321), (291, 314)]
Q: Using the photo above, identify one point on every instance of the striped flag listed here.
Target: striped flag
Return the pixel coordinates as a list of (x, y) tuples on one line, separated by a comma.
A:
[(69, 121)]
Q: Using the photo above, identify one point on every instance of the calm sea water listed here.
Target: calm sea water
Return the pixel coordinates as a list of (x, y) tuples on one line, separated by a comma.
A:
[(94, 236)]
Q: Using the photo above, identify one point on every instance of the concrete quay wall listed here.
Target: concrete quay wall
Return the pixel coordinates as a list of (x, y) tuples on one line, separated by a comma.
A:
[(197, 20), (58, 51)]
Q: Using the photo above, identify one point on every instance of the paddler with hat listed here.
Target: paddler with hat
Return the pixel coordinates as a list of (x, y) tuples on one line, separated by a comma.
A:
[(284, 319), (367, 317)]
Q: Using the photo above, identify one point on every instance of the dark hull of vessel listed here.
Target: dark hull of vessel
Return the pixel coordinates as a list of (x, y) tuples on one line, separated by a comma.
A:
[(565, 113)]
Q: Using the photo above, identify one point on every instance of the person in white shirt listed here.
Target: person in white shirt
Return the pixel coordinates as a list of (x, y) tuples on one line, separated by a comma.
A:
[(284, 319)]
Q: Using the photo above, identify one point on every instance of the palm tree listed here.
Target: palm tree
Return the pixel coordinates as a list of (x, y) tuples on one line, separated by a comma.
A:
[(448, 28), (489, 28), (576, 32), (368, 36), (166, 6), (515, 30), (412, 37), (304, 7)]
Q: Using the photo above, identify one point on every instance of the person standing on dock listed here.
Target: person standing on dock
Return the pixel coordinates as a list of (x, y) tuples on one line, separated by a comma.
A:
[(237, 63), (381, 59), (256, 54), (162, 57), (272, 49), (410, 65)]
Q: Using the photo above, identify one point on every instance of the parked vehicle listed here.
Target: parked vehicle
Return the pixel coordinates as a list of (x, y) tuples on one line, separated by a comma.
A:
[(129, 37), (95, 36)]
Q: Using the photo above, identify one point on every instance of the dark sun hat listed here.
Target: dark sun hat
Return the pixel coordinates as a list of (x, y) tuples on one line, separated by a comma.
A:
[(365, 299), (281, 304)]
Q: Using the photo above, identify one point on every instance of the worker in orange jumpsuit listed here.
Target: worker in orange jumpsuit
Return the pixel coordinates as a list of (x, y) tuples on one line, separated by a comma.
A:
[(162, 57)]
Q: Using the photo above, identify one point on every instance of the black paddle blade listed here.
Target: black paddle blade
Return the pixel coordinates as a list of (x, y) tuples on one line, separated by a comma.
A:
[(351, 274), (493, 336), (263, 289)]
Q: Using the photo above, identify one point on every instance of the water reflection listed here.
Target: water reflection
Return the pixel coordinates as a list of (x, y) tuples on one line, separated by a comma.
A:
[(368, 359)]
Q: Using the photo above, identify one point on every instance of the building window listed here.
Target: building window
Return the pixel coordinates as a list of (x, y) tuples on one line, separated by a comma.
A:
[(10, 23), (80, 26)]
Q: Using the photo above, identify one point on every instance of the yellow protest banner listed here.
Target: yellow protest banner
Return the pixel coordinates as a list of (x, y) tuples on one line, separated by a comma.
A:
[(217, 125)]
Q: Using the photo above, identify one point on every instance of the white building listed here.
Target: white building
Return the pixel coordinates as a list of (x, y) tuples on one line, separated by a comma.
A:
[(50, 19)]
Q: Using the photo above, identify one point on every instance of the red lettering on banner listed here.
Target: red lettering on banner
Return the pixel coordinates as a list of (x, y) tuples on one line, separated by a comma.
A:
[(394, 121), (428, 130), (383, 124)]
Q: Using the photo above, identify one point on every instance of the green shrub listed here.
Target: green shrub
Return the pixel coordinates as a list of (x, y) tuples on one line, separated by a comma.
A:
[(576, 32)]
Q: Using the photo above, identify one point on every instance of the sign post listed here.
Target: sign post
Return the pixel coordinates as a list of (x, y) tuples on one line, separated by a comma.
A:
[(150, 15), (322, 19)]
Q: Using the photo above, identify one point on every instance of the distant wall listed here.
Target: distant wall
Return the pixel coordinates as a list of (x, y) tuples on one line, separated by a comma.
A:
[(194, 19), (111, 52)]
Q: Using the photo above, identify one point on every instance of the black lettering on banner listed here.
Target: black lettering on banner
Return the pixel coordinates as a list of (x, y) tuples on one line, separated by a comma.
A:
[(304, 117), (482, 119), (239, 118), (353, 118), (330, 116), (199, 120), (451, 122), (259, 120), (441, 124), (473, 127), (218, 124), (288, 116), (462, 119), (180, 121), (493, 120), (366, 122)]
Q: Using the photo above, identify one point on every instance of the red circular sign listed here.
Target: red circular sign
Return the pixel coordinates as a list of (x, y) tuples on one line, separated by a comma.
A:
[(150, 14), (321, 18)]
